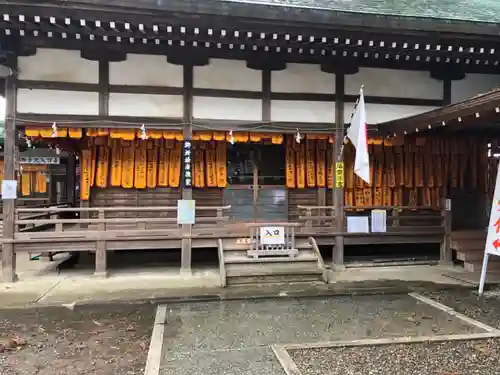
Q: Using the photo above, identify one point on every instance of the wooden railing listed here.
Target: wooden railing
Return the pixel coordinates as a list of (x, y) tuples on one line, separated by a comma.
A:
[(95, 218), (397, 217)]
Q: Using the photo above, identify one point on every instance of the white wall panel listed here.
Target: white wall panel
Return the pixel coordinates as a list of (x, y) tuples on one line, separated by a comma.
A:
[(59, 66), (145, 70), (145, 105), (473, 84), (303, 78), (227, 75), (57, 102), (301, 111), (227, 108), (394, 83), (378, 113)]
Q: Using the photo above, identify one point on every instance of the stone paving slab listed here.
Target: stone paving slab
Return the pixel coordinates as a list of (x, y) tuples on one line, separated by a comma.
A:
[(246, 361), (105, 340), (478, 357), (485, 308), (213, 329)]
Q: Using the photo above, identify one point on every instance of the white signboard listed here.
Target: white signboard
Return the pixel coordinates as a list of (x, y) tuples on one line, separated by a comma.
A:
[(492, 246), (9, 189), (39, 160), (358, 224), (272, 235), (186, 211), (379, 221)]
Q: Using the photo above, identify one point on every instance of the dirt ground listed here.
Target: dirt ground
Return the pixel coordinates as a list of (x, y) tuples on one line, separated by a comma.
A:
[(108, 340)]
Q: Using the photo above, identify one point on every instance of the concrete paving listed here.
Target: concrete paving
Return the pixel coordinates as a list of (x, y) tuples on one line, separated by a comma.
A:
[(234, 337), (168, 283)]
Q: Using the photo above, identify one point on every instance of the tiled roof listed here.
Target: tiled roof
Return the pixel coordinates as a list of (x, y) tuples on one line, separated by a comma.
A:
[(483, 11)]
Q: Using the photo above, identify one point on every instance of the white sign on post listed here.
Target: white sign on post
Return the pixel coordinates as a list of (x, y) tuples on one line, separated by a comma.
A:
[(492, 246), (272, 235), (9, 189)]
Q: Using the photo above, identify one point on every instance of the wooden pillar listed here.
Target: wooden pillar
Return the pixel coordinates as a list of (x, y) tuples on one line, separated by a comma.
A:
[(338, 192), (9, 205), (445, 257), (101, 268), (71, 180), (187, 193)]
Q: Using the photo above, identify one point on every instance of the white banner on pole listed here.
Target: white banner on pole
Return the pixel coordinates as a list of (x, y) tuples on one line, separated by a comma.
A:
[(492, 246)]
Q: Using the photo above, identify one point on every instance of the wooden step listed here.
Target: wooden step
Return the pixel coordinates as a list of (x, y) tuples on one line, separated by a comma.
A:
[(468, 235), (242, 258), (493, 264), (263, 269), (470, 256), (276, 279)]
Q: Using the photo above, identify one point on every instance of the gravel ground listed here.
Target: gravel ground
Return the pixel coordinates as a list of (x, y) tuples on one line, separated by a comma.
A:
[(88, 340), (447, 358), (485, 309)]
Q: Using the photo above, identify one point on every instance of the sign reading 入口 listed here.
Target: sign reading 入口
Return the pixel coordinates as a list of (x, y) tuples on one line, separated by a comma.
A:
[(272, 235), (187, 158)]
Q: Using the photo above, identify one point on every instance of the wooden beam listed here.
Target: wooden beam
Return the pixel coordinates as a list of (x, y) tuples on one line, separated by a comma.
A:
[(9, 205), (266, 95), (338, 192)]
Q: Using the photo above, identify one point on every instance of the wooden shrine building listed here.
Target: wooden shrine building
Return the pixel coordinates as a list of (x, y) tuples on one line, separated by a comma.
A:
[(263, 92)]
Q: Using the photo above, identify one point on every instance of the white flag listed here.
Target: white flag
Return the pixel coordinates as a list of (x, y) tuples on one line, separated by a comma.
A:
[(357, 134)]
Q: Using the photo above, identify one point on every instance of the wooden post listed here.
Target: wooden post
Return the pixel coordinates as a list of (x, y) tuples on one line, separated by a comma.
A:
[(71, 180), (187, 193), (445, 257), (101, 267), (395, 216), (338, 192), (9, 205), (308, 220)]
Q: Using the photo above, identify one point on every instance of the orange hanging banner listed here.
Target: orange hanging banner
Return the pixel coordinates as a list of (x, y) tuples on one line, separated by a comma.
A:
[(26, 183), (128, 165), (174, 170), (163, 158), (85, 174), (210, 157), (221, 164), (329, 168), (310, 156), (141, 153), (300, 157), (116, 163), (198, 168), (290, 163), (102, 167), (152, 165), (93, 162)]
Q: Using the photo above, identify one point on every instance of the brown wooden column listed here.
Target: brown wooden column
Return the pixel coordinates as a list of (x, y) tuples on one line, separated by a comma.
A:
[(9, 205), (338, 192), (187, 193), (71, 179), (101, 256)]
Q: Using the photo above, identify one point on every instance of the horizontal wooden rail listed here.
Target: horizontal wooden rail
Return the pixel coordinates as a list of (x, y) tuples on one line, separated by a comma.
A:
[(388, 208), (119, 220), (119, 209)]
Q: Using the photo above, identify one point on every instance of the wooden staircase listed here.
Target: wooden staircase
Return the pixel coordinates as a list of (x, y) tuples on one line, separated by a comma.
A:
[(469, 247), (237, 267)]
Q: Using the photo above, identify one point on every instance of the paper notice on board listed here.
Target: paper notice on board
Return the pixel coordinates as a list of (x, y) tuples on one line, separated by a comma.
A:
[(9, 189), (358, 224), (379, 221)]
